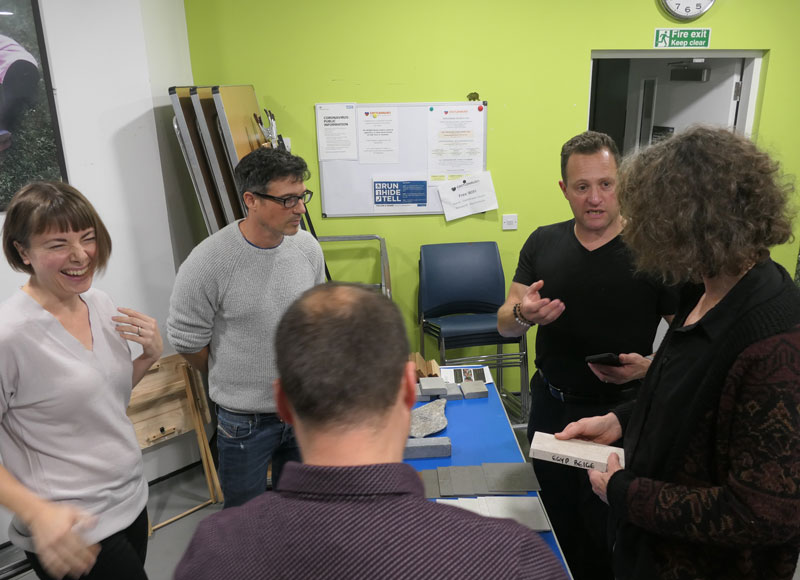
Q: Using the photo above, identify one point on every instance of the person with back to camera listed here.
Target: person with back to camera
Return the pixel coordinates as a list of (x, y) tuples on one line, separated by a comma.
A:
[(576, 281), (72, 468), (711, 485), (353, 509)]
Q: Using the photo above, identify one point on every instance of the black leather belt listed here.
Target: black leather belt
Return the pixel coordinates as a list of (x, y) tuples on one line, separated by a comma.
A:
[(567, 397)]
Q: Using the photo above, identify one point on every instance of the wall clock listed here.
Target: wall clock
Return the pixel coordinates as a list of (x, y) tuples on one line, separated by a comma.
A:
[(686, 9)]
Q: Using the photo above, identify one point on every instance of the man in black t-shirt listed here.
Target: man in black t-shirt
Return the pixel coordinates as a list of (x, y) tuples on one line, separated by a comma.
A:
[(576, 281)]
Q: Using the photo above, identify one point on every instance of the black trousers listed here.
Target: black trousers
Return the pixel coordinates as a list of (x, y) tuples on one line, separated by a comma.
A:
[(17, 92), (578, 516), (121, 555)]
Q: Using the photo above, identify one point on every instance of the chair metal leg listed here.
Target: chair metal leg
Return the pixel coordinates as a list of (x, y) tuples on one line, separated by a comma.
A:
[(524, 383), (422, 339), (517, 405), (499, 369)]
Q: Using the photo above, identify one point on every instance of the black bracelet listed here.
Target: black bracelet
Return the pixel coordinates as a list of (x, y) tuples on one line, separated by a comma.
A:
[(520, 318)]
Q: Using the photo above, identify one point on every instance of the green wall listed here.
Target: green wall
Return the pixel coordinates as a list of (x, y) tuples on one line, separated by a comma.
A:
[(530, 59)]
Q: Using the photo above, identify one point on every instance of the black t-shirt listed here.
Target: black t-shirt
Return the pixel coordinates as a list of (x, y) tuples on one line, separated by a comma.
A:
[(609, 307)]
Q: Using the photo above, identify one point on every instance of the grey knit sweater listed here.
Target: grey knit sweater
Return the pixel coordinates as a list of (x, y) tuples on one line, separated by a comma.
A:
[(230, 295)]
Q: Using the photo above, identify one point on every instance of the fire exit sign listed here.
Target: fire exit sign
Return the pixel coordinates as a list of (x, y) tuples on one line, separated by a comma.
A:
[(682, 38)]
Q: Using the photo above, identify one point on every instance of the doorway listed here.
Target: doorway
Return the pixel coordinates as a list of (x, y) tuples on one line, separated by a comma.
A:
[(638, 97)]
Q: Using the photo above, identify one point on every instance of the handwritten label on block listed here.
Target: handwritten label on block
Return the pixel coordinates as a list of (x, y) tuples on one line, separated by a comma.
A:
[(573, 452)]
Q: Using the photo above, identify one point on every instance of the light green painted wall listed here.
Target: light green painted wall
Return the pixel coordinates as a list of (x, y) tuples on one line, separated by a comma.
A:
[(530, 59)]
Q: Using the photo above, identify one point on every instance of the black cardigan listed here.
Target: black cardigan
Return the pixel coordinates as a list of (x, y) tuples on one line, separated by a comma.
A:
[(639, 553)]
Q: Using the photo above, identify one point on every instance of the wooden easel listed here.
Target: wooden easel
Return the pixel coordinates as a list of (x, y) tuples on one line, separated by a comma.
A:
[(170, 400)]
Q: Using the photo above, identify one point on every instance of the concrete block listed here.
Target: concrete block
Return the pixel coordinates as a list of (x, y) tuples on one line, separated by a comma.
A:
[(420, 397), (432, 386), (453, 392), (427, 447), (474, 390)]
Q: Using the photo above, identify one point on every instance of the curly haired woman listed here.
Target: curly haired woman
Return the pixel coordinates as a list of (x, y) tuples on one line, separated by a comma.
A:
[(711, 484)]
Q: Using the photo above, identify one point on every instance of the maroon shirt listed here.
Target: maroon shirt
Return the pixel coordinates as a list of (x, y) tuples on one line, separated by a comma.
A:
[(360, 522)]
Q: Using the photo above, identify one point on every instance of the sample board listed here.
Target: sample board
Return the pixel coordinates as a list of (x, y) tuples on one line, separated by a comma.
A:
[(214, 146), (388, 158), (216, 126), (237, 109), (190, 141)]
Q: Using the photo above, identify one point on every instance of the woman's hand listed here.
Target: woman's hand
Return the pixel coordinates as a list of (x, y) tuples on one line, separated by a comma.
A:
[(600, 480), (142, 329), (604, 429), (58, 542)]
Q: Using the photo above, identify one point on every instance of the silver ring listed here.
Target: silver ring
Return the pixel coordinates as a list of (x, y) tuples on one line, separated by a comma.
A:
[(139, 330)]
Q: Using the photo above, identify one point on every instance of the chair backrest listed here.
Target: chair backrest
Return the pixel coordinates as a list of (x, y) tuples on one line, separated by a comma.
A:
[(462, 278)]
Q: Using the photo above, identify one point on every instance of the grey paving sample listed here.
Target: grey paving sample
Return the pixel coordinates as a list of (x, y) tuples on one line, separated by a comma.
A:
[(427, 447), (510, 477), (468, 480), (432, 386), (453, 392), (430, 479), (487, 479), (474, 389), (445, 483), (525, 510), (428, 419), (420, 397)]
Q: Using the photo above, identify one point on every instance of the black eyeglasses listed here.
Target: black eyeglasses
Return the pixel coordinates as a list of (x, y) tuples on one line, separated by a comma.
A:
[(288, 201)]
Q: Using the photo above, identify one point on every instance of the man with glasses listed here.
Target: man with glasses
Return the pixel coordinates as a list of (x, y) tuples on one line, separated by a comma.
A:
[(228, 297)]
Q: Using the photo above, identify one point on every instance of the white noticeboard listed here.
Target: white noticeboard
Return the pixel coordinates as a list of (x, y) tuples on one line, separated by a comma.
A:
[(390, 158)]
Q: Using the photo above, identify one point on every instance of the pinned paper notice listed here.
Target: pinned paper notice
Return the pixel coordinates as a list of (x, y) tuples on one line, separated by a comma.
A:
[(470, 195), (336, 131), (378, 135)]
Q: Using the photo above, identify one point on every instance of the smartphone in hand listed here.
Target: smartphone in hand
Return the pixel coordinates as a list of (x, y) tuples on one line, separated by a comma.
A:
[(606, 358)]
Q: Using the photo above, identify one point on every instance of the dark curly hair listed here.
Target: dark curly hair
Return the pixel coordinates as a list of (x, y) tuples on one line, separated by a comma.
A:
[(587, 143), (258, 168), (704, 202)]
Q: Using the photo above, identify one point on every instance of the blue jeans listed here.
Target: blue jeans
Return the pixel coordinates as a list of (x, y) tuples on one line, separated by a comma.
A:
[(246, 443)]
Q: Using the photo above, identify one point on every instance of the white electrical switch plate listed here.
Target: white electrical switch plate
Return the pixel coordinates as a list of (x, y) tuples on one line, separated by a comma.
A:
[(509, 221)]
